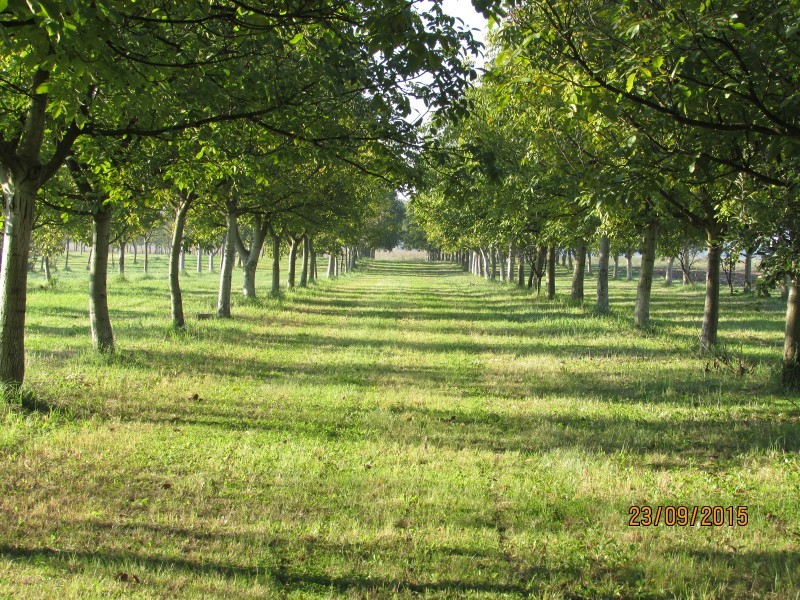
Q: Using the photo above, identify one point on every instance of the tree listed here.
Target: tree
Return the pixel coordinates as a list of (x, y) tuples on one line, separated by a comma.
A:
[(90, 68)]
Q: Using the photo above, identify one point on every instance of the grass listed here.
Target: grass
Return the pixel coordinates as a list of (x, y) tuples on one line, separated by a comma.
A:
[(404, 430)]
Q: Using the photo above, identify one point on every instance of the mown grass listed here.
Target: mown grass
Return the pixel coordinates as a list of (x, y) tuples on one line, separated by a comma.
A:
[(406, 430)]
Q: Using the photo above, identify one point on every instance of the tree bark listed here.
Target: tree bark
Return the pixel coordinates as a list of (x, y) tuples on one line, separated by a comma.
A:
[(99, 319), (290, 277), (748, 270), (276, 261), (18, 225), (304, 270), (551, 272), (226, 270), (251, 257), (312, 275), (175, 254), (199, 260), (629, 265), (521, 272), (511, 267), (21, 176), (578, 271), (588, 263), (121, 261), (46, 267), (532, 273), (708, 333), (541, 263), (668, 274), (602, 275), (501, 265), (146, 257), (66, 258), (616, 265), (791, 341), (643, 290)]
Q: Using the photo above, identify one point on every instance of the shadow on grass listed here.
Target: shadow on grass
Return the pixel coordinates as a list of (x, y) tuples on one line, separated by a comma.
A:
[(283, 573), (292, 566)]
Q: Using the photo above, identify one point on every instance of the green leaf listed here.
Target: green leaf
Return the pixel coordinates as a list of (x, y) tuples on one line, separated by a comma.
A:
[(3, 5), (629, 82), (297, 39)]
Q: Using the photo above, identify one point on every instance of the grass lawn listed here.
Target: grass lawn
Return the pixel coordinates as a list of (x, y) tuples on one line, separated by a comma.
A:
[(404, 430)]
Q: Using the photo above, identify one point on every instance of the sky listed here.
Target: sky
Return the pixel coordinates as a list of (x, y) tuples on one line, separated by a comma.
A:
[(461, 9)]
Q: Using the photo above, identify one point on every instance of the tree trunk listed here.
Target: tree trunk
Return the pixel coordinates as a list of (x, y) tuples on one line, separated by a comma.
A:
[(251, 257), (511, 267), (199, 260), (89, 260), (226, 270), (183, 260), (312, 275), (121, 262), (532, 273), (686, 267), (146, 257), (578, 271), (748, 270), (503, 265), (551, 272), (791, 341), (290, 277), (616, 265), (521, 272), (588, 263), (708, 333), (602, 275), (211, 261), (569, 259), (19, 192), (99, 319), (329, 274), (66, 258), (135, 253), (304, 270), (175, 255), (493, 262), (541, 262), (668, 274), (46, 266), (629, 265), (643, 290), (276, 262)]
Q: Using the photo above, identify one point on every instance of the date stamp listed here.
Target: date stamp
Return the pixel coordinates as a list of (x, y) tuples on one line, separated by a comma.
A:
[(687, 516)]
